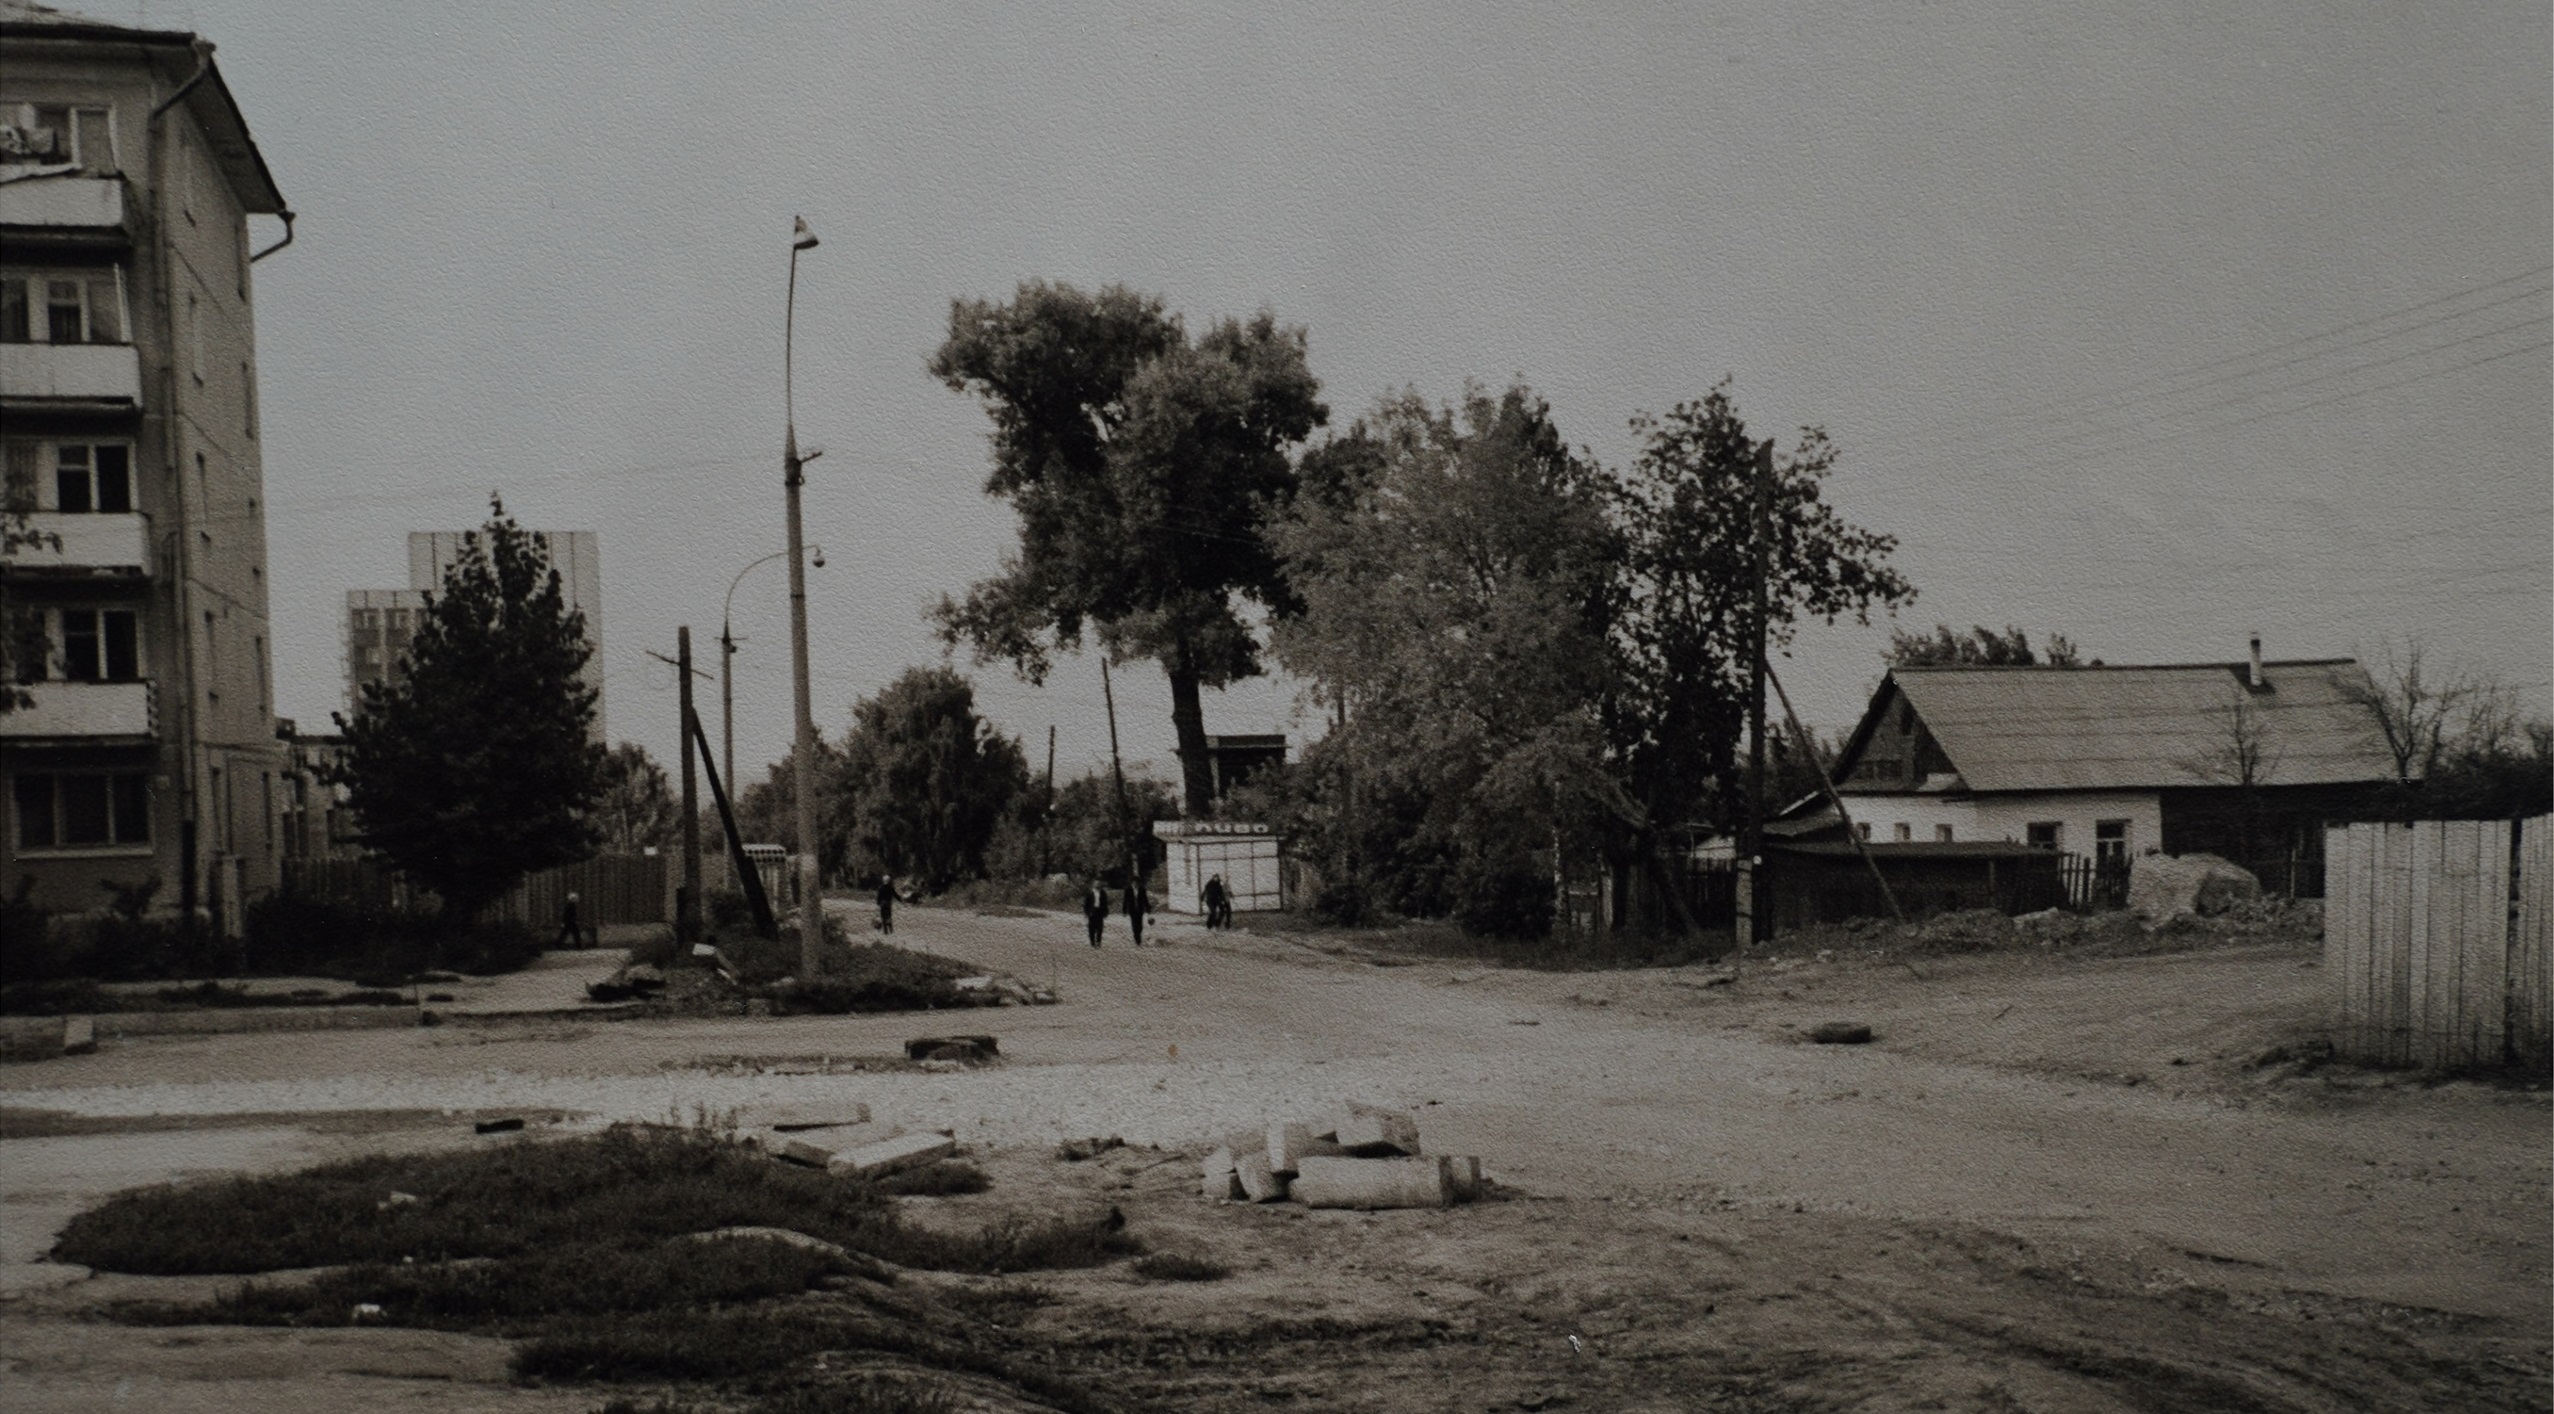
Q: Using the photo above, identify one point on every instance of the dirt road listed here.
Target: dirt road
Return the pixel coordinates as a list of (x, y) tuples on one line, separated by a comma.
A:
[(2055, 1182)]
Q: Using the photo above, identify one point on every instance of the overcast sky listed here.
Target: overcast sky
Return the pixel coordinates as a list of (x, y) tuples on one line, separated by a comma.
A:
[(2150, 324)]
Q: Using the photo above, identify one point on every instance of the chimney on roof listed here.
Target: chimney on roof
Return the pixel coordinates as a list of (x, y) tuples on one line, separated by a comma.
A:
[(2256, 679)]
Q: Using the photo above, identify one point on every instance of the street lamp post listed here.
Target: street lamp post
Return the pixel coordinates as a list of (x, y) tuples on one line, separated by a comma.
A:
[(727, 641), (811, 900)]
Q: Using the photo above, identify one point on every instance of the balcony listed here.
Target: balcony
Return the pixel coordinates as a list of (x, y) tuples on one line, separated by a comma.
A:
[(85, 713), (64, 211), (103, 377), (108, 543)]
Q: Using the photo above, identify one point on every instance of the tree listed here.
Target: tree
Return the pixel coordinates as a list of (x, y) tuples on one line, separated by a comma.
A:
[(478, 766), (1086, 836), (926, 780), (1980, 647), (1454, 571), (2419, 713), (1684, 636), (637, 809), (1142, 467), (24, 646)]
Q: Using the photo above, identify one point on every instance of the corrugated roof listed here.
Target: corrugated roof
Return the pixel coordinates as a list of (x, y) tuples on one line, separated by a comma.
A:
[(2014, 729), (26, 12)]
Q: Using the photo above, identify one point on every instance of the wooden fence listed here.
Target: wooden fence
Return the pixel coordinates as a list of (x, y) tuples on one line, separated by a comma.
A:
[(610, 888), (2435, 942)]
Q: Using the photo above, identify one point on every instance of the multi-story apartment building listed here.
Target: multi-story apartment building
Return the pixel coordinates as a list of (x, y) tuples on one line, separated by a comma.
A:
[(141, 744), (380, 622)]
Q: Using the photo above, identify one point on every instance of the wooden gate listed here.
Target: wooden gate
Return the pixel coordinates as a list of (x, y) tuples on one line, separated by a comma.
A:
[(2435, 941)]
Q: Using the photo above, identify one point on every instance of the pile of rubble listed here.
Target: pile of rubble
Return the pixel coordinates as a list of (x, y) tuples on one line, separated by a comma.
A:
[(849, 1145), (1364, 1158)]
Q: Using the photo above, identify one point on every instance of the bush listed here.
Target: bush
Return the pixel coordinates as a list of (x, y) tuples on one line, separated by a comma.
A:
[(1503, 900), (288, 933), (1175, 1266), (938, 1179)]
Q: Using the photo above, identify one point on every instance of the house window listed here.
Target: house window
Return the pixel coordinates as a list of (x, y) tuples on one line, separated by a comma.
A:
[(2045, 834), (1862, 828), (1941, 834), (2110, 844), (100, 645), (1902, 832), (92, 477), (61, 307), (82, 810), (57, 135)]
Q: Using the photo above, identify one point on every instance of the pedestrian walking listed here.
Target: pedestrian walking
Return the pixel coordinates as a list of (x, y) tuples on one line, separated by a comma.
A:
[(1138, 904), (887, 904), (1095, 909), (571, 928), (1219, 908)]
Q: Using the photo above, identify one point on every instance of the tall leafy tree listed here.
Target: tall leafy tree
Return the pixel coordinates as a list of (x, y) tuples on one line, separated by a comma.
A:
[(1455, 571), (637, 809), (479, 765), (1684, 637), (1143, 467), (925, 781), (1980, 647)]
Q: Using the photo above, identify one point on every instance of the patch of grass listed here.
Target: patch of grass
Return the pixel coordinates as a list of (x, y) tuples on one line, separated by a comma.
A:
[(1179, 1266), (939, 1178), (636, 1184), (1000, 1303), (876, 977), (1439, 940), (514, 1295)]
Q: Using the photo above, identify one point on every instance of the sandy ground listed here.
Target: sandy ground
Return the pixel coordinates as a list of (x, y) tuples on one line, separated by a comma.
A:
[(2054, 1182)]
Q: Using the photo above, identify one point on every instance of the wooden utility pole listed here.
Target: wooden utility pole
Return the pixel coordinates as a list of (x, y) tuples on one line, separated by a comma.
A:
[(1050, 767), (1751, 844), (687, 912), (1809, 752), (1117, 773)]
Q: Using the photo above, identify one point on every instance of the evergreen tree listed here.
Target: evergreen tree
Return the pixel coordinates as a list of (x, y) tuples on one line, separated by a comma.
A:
[(478, 766)]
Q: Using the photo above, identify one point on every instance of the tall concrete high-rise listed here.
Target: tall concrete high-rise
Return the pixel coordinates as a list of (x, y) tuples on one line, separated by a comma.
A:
[(379, 622), (143, 754)]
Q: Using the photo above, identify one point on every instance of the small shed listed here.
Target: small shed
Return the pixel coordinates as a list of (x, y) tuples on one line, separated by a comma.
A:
[(1247, 857)]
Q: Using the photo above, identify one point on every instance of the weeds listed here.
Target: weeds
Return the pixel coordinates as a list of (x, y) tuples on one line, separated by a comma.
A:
[(940, 1178), (1177, 1266), (1013, 1244)]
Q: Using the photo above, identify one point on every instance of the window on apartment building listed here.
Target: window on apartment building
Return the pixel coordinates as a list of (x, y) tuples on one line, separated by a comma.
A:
[(82, 809), (1902, 832), (100, 645), (56, 135), (2110, 844), (92, 477), (1941, 834), (1862, 828), (61, 307), (2044, 834)]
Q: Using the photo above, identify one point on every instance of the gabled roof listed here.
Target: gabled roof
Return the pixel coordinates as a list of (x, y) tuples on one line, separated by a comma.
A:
[(2132, 728), (225, 129)]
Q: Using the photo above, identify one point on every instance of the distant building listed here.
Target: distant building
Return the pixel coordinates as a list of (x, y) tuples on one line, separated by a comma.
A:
[(1235, 759), (129, 423), (381, 622)]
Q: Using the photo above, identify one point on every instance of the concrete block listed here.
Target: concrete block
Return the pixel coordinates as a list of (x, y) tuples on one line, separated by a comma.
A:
[(1372, 1133), (889, 1155), (1259, 1182), (815, 1151), (1409, 1181), (1219, 1182), (797, 1120), (1463, 1177), (1292, 1140), (79, 1036)]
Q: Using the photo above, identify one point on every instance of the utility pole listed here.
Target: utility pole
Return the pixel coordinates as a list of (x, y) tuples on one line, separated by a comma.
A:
[(1117, 772), (687, 913), (811, 896), (1751, 845), (727, 702), (1050, 768)]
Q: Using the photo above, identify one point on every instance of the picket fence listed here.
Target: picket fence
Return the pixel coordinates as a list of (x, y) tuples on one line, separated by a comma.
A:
[(2436, 942), (610, 889)]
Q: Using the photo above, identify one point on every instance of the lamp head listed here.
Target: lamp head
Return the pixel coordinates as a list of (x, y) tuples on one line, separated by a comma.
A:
[(819, 558), (802, 238)]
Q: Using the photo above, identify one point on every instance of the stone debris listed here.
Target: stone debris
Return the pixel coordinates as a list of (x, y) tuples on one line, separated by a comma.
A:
[(1365, 1158), (2164, 886), (45, 1037), (888, 1155), (969, 1049), (1841, 1033)]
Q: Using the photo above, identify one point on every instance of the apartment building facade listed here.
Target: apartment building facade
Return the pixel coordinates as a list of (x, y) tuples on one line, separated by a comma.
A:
[(141, 741)]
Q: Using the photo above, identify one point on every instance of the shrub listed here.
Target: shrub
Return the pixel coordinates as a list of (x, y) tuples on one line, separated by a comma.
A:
[(289, 933), (940, 1178), (1503, 899)]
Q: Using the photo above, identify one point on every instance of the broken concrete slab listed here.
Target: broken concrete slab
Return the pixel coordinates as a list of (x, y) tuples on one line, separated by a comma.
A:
[(1463, 1177), (1292, 1140), (889, 1155), (1841, 1033), (1368, 1132), (1259, 1182), (938, 1047), (1218, 1181), (1409, 1181), (799, 1119), (79, 1036)]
